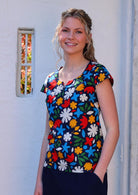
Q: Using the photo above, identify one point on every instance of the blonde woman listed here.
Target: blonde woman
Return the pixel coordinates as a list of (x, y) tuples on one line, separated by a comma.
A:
[(77, 157)]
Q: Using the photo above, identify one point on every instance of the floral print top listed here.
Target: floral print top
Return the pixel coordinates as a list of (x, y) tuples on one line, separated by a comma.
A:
[(75, 139)]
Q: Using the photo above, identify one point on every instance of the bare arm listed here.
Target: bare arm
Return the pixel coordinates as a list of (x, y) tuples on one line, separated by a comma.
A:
[(109, 112), (38, 187)]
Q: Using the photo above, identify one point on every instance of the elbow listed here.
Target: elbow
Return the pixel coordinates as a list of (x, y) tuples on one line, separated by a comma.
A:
[(116, 133)]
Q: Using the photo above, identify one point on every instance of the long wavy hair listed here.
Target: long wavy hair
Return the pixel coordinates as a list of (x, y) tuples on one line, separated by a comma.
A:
[(88, 51)]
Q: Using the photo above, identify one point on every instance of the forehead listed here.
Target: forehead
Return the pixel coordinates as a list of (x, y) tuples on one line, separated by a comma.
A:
[(72, 22)]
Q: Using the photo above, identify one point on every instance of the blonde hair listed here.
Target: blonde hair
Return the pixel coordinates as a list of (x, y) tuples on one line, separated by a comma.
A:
[(80, 14)]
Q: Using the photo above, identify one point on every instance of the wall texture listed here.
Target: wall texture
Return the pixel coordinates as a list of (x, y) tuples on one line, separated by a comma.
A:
[(134, 129)]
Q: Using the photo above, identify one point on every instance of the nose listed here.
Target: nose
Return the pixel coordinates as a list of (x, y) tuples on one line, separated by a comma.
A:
[(70, 35)]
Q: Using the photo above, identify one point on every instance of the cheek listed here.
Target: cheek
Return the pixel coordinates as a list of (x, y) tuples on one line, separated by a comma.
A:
[(82, 39), (61, 38)]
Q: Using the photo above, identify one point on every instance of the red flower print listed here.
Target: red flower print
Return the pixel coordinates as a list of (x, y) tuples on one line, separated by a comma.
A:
[(89, 89), (94, 166), (84, 122), (98, 123), (90, 67), (88, 141), (50, 98), (95, 80), (57, 123), (66, 103), (70, 158), (50, 136), (70, 82), (52, 84), (54, 156)]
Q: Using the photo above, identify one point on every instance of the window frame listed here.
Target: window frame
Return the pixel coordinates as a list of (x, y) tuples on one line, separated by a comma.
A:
[(20, 32)]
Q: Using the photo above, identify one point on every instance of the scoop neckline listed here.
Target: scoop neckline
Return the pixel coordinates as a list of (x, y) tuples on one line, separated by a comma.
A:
[(70, 81)]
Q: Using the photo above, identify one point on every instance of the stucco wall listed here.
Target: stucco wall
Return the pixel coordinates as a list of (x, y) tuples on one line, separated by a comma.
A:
[(134, 129)]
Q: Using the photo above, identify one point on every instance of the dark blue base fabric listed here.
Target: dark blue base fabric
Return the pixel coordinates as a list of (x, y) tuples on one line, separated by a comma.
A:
[(62, 183)]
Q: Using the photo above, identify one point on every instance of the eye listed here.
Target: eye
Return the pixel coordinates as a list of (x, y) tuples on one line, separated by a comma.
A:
[(64, 30), (79, 32)]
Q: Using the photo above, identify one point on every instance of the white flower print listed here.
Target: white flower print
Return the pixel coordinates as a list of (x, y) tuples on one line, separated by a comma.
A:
[(66, 115), (54, 132), (45, 164), (67, 137), (92, 130), (90, 112), (62, 165), (69, 93), (58, 149), (78, 169), (58, 89), (96, 104), (83, 97)]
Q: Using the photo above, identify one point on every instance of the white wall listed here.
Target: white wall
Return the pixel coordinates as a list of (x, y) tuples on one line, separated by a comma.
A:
[(22, 120), (134, 129)]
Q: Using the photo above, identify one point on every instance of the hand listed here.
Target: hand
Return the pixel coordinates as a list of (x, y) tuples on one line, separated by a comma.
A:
[(38, 188)]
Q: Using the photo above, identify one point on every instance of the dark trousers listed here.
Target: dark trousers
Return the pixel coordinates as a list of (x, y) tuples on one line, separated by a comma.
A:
[(62, 183)]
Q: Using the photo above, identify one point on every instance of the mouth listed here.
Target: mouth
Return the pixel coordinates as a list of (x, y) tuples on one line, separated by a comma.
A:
[(70, 44)]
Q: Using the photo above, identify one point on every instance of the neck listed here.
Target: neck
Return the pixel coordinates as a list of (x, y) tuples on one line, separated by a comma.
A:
[(74, 62)]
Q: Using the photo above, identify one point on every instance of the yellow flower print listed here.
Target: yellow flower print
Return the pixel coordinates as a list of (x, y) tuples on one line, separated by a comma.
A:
[(101, 77), (60, 155), (80, 87), (99, 144), (73, 123), (59, 137), (50, 123), (92, 105), (59, 101), (76, 133), (96, 69), (59, 82), (50, 163), (88, 166), (49, 154), (52, 141), (92, 119), (77, 128), (73, 105), (78, 150)]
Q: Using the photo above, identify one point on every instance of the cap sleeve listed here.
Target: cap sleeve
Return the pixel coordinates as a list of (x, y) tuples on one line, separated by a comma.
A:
[(101, 74), (44, 86)]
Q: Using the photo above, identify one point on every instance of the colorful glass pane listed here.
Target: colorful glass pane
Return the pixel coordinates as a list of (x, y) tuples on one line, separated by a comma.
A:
[(23, 42), (22, 84), (29, 79), (29, 49)]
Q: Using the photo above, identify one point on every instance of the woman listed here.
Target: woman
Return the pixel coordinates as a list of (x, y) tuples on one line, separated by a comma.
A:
[(77, 158)]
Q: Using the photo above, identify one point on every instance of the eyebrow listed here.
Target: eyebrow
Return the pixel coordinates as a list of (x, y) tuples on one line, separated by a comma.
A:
[(75, 28)]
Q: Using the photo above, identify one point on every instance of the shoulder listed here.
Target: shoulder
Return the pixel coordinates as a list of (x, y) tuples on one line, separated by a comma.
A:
[(49, 78), (101, 73)]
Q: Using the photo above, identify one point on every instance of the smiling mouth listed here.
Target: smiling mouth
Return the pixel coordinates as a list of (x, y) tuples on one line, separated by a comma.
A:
[(70, 44)]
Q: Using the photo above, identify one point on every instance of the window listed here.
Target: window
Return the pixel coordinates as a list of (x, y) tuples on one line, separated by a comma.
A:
[(25, 62)]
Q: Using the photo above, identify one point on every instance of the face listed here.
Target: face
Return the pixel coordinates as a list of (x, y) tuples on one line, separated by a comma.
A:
[(72, 36)]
